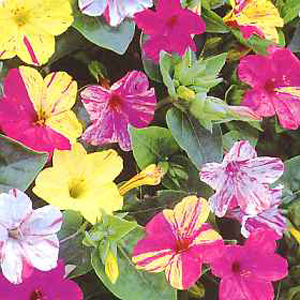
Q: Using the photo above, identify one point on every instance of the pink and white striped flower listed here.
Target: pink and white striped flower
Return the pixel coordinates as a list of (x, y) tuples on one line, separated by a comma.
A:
[(27, 237), (242, 179)]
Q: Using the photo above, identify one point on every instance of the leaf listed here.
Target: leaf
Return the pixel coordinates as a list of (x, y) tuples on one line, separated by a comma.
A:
[(19, 165), (214, 23), (134, 284), (152, 145), (98, 32), (294, 45), (200, 145), (233, 136), (214, 64), (290, 10)]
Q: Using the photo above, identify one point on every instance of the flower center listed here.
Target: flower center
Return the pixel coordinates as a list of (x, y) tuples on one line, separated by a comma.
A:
[(172, 21), (115, 101), (232, 169), (182, 245), (76, 188), (236, 267), (36, 295), (270, 85), (13, 233), (20, 16)]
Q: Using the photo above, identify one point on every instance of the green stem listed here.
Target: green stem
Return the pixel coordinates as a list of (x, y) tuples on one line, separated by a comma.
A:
[(183, 295), (81, 229)]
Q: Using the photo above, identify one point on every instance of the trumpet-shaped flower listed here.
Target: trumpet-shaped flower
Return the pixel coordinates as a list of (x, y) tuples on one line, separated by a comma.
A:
[(269, 218), (275, 83), (42, 285), (171, 30), (242, 179), (82, 182), (29, 28), (247, 271), (128, 101), (37, 112), (178, 242), (27, 237), (114, 11), (259, 17)]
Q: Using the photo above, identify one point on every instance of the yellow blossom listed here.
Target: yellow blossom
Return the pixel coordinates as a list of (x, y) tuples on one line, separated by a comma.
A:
[(111, 267), (29, 27), (82, 182), (295, 233)]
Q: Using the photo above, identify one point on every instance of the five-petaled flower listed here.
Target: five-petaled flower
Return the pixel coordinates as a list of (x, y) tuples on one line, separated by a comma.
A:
[(114, 11), (178, 242), (29, 28), (37, 112), (242, 179), (42, 285), (259, 17), (247, 271), (82, 182), (275, 83), (128, 101), (27, 237), (171, 30)]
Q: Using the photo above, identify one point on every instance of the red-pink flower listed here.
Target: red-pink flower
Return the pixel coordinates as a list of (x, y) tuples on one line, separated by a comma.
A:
[(242, 179), (247, 271), (127, 101), (275, 82), (170, 28)]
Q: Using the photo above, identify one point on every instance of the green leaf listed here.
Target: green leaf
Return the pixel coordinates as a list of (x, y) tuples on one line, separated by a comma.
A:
[(134, 284), (152, 145), (214, 23), (18, 165), (290, 10), (291, 176), (200, 145), (101, 34), (294, 45), (214, 64), (233, 136)]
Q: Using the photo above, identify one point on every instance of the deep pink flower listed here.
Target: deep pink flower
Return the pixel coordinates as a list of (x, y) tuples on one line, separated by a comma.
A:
[(275, 82), (242, 179), (128, 101), (247, 271), (170, 28), (42, 285), (269, 218)]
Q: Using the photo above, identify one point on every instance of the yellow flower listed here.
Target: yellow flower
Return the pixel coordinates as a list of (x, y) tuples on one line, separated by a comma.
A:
[(151, 175), (82, 182), (111, 267), (29, 27), (295, 233)]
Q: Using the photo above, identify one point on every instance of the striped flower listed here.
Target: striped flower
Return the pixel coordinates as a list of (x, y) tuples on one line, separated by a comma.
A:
[(178, 242), (37, 112)]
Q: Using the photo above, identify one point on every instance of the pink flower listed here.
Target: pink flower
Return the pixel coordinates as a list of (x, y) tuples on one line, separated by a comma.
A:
[(27, 237), (170, 28), (128, 101), (275, 82), (270, 218), (242, 179), (178, 242), (42, 285), (247, 271)]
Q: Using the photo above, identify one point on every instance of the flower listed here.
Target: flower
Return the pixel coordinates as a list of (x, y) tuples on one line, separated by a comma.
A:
[(28, 237), (246, 271), (38, 112), (269, 218), (242, 179), (178, 242), (31, 27), (111, 267), (151, 175), (171, 30), (259, 17), (115, 11), (42, 285), (275, 83), (82, 182), (128, 101)]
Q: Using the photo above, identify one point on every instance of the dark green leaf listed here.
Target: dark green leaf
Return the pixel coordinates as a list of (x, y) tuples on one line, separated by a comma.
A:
[(214, 23)]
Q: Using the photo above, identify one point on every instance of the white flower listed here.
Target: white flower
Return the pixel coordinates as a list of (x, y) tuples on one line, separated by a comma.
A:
[(27, 237)]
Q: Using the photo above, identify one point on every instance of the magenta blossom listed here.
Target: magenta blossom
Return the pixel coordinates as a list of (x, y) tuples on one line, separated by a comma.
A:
[(269, 218), (242, 179), (247, 271), (42, 285), (128, 101), (172, 29), (275, 82)]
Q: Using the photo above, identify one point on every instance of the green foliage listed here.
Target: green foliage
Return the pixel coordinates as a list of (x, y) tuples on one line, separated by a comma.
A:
[(214, 23), (233, 136), (289, 9)]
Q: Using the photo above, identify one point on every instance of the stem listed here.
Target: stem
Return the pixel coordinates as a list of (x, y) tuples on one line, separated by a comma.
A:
[(81, 229), (183, 295)]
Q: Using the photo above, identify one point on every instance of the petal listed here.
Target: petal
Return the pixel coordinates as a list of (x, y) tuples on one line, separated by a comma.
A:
[(8, 39), (144, 20), (213, 174), (92, 7), (240, 151)]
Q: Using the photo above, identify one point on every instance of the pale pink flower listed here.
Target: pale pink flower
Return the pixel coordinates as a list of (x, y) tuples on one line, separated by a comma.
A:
[(27, 237), (242, 179)]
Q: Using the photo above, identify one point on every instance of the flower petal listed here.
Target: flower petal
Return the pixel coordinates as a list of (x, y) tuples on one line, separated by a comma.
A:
[(240, 151), (92, 7), (213, 175)]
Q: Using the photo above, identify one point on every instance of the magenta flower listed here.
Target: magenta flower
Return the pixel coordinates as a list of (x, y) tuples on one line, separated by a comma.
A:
[(128, 101), (247, 271), (270, 218), (42, 285), (242, 179), (178, 242), (171, 30), (275, 82)]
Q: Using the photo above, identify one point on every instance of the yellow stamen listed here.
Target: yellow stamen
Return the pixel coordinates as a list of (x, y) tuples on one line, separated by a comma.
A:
[(292, 90)]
